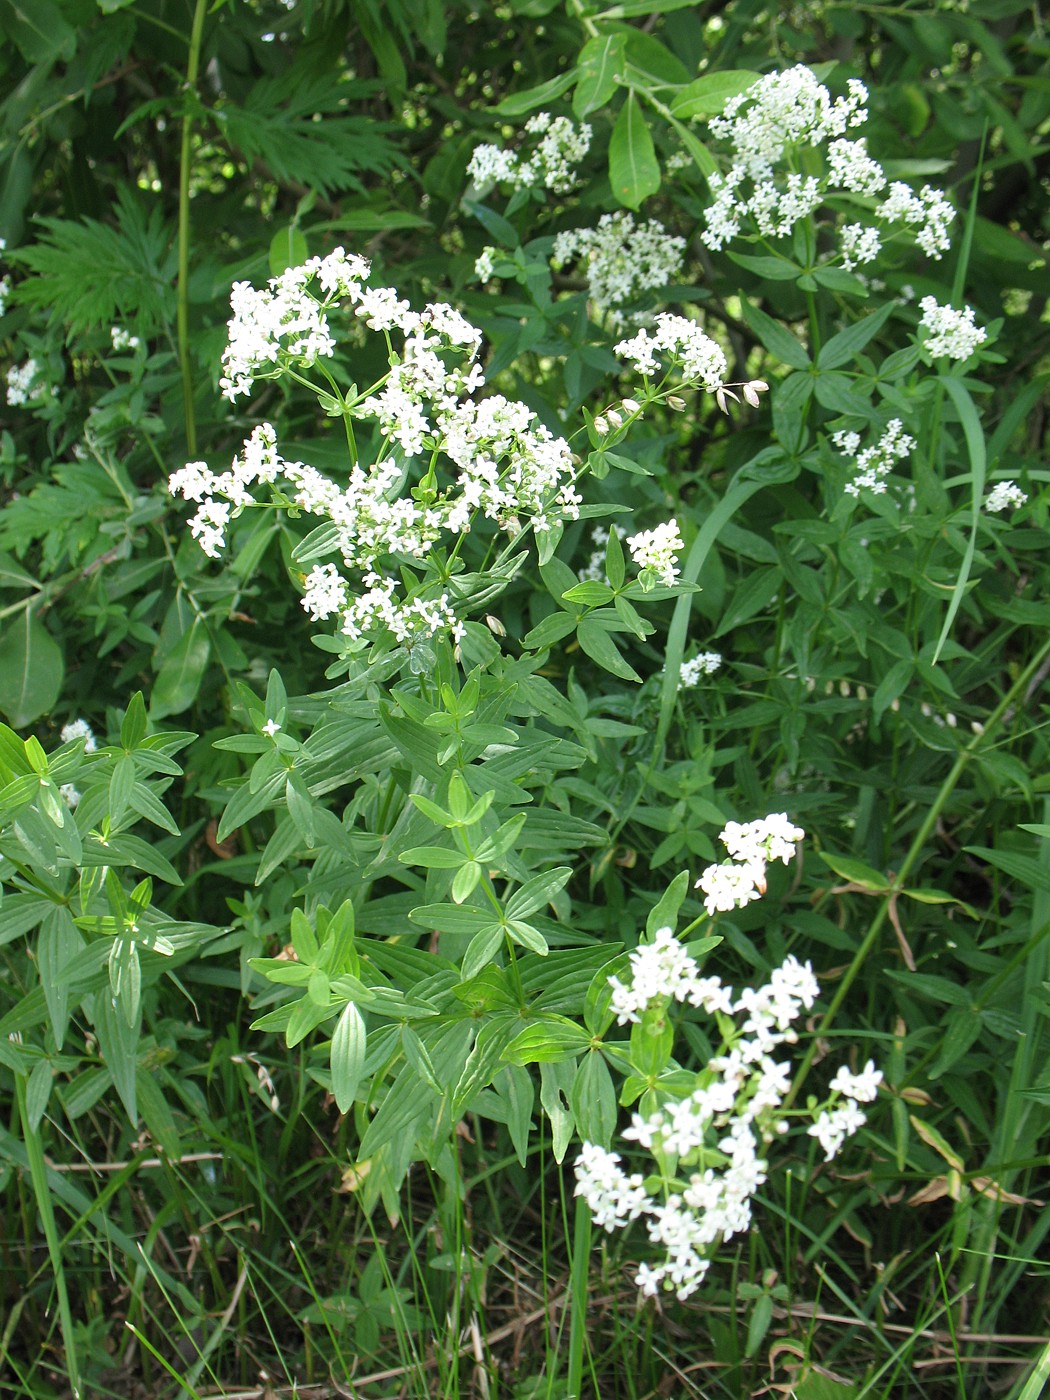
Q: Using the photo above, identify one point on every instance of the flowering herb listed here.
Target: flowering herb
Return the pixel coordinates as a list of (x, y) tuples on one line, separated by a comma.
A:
[(709, 1138)]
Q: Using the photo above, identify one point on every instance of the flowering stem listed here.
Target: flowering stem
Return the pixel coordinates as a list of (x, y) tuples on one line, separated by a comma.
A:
[(182, 319), (1016, 691)]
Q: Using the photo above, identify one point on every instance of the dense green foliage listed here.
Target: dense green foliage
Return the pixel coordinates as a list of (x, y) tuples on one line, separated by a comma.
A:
[(304, 966)]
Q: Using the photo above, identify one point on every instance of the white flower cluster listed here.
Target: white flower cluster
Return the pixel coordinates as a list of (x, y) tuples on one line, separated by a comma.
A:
[(552, 163), (950, 332), (1005, 495), (751, 846), (654, 551), (706, 663), (284, 323), (767, 127), (76, 729), (874, 464), (720, 1128), (24, 383), (122, 338), (682, 343), (79, 729), (622, 258), (505, 464), (837, 1122), (663, 970)]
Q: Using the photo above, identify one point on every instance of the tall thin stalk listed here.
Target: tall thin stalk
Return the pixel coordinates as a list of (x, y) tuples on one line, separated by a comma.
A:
[(868, 942), (182, 321)]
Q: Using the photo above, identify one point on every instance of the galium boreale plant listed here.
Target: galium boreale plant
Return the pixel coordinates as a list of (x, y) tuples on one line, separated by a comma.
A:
[(443, 746), (708, 1131)]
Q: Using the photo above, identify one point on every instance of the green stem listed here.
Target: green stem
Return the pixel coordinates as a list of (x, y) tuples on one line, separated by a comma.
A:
[(42, 1192), (183, 307), (581, 1258), (910, 860)]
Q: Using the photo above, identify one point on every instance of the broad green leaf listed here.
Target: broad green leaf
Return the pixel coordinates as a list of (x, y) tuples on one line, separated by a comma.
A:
[(857, 873), (777, 339), (665, 911), (634, 171), (31, 669), (537, 892), (600, 62), (347, 1057), (600, 647), (433, 857), (38, 1091), (40, 31), (594, 1100), (521, 102), (770, 266), (180, 675), (845, 346), (707, 96), (287, 249), (545, 1042)]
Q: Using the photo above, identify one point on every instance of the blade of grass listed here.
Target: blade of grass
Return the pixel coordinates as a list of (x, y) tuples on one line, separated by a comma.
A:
[(971, 425), (42, 1192)]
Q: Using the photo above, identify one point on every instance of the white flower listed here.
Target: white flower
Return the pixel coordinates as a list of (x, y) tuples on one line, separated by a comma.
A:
[(622, 258), (483, 265), (69, 794), (271, 727), (655, 550), (550, 163), (613, 1197), (835, 1125), (79, 729), (123, 339), (664, 971), (731, 886), (950, 332), (1005, 495), (706, 663), (682, 342), (23, 383), (874, 464), (768, 838), (862, 1087)]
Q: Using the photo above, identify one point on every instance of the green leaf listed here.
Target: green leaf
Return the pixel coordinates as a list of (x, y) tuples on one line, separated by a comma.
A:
[(133, 725), (121, 783), (971, 425), (347, 1057), (521, 102), (928, 984), (634, 171), (40, 31), (600, 62), (31, 669), (537, 892), (553, 1039), (777, 339), (594, 1100), (179, 678), (665, 912), (845, 346), (288, 248), (770, 266), (893, 684), (600, 647), (707, 96), (433, 857), (857, 873)]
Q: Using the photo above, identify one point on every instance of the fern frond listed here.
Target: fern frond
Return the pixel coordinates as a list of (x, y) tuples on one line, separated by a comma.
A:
[(89, 274)]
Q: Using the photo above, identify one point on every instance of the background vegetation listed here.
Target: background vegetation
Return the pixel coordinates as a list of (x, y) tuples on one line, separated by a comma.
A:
[(194, 1207)]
